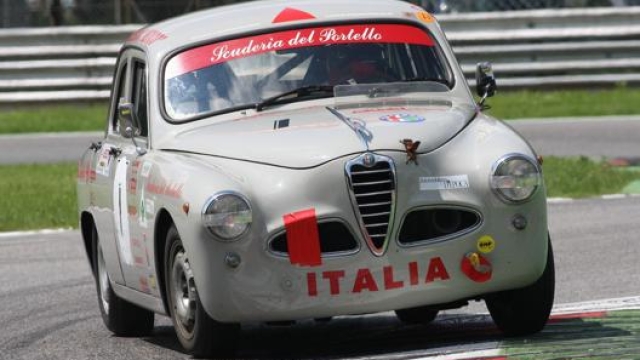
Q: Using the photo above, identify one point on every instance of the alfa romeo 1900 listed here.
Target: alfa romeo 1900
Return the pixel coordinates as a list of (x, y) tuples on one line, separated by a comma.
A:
[(278, 161)]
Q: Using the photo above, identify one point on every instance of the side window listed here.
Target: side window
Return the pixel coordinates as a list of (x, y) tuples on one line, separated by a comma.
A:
[(139, 97), (120, 92)]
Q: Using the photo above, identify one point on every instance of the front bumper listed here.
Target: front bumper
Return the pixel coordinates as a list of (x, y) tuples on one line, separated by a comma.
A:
[(268, 287)]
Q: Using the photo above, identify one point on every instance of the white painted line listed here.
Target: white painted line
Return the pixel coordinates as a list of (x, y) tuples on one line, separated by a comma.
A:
[(564, 200), (559, 200), (478, 354), (12, 234), (613, 196), (625, 303)]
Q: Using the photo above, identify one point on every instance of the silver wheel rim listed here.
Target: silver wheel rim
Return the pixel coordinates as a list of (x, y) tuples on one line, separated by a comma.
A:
[(103, 281), (183, 291)]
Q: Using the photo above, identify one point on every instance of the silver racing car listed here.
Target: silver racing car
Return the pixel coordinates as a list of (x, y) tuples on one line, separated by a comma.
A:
[(285, 160)]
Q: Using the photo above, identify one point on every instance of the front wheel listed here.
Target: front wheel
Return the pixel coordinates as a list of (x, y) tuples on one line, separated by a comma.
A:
[(525, 311), (121, 317), (198, 333)]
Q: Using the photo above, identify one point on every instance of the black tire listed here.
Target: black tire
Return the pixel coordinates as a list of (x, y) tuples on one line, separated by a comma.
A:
[(199, 334), (417, 315), (119, 316), (525, 311)]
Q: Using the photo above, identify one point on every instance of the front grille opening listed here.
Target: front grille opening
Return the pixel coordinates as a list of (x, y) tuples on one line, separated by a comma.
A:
[(373, 189), (335, 237), (434, 224)]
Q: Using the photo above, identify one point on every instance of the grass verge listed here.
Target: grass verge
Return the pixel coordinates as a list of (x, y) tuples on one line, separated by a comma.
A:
[(542, 104), (581, 177), (54, 118), (38, 196), (44, 196), (505, 105)]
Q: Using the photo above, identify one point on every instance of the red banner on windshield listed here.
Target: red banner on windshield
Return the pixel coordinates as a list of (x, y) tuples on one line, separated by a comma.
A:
[(208, 55)]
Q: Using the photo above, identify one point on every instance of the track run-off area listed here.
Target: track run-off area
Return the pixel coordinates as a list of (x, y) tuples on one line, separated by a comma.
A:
[(49, 307)]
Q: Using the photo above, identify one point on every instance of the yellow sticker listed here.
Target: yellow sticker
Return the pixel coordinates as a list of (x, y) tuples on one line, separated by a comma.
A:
[(425, 16), (486, 244)]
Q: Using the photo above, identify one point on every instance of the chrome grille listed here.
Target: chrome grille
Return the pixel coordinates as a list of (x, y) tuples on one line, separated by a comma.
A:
[(372, 187)]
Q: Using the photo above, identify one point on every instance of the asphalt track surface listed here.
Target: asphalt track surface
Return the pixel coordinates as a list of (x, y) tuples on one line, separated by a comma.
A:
[(49, 307), (610, 137)]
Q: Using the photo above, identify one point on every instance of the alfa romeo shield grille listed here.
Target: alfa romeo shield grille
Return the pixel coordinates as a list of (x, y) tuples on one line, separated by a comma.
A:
[(372, 187)]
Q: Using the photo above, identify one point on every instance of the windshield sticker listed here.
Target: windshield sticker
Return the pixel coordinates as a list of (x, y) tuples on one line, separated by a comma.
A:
[(408, 118), (208, 55), (291, 14), (444, 182), (425, 16)]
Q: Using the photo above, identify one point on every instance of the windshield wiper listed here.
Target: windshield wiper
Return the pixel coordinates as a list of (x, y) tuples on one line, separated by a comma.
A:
[(298, 93)]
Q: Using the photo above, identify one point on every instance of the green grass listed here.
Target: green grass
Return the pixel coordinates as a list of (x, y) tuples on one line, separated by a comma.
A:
[(44, 196), (86, 117), (538, 104), (505, 105), (37, 196), (581, 177)]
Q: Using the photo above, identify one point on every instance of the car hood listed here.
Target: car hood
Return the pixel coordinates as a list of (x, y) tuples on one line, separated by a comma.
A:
[(304, 138)]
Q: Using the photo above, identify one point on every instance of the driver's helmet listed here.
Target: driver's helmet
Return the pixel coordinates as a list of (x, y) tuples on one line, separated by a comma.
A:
[(357, 63)]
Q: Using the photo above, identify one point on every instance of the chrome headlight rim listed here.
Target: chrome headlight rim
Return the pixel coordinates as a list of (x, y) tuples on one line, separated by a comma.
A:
[(216, 197), (505, 159)]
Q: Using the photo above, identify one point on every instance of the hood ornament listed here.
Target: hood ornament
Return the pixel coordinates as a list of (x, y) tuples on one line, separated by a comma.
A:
[(356, 125), (411, 147)]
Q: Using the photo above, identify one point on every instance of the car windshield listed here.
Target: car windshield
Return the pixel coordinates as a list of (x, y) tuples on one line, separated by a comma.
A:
[(253, 72)]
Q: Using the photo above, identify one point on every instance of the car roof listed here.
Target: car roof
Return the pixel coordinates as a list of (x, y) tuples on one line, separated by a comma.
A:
[(205, 25)]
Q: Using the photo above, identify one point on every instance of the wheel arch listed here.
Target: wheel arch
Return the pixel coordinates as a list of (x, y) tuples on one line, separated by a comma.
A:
[(87, 224), (164, 221)]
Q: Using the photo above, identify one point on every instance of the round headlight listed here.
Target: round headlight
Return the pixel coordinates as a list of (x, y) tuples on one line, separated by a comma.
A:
[(516, 178), (227, 215)]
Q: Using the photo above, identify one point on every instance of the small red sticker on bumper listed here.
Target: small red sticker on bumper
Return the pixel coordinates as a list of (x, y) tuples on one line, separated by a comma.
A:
[(303, 239), (476, 267)]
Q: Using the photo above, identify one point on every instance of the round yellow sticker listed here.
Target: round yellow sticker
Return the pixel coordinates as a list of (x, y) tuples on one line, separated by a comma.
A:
[(424, 16), (486, 244)]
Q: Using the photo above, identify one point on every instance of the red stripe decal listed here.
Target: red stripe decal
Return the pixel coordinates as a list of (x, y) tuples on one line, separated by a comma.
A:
[(303, 239), (224, 51), (290, 14)]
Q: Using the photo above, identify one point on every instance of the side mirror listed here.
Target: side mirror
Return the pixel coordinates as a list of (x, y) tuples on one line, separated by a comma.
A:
[(129, 125), (126, 119), (485, 81)]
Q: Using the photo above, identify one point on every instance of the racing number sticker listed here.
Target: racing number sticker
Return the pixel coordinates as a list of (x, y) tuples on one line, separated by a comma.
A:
[(121, 211)]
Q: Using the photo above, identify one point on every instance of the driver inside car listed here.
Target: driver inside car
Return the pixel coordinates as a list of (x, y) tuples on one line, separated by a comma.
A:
[(358, 64)]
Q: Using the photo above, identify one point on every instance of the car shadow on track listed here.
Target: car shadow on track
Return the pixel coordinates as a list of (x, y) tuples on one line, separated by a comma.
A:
[(344, 337), (382, 336)]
